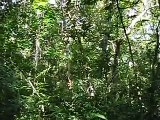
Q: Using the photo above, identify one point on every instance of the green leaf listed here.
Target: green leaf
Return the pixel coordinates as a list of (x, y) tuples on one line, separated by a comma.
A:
[(99, 116)]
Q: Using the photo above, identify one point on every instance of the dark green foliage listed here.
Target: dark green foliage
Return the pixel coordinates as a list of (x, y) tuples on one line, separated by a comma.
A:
[(9, 104)]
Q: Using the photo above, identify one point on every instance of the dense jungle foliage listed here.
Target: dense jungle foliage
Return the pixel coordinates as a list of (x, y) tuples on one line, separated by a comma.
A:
[(80, 60)]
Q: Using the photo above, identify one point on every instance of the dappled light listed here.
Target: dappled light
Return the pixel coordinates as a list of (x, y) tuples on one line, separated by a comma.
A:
[(80, 60)]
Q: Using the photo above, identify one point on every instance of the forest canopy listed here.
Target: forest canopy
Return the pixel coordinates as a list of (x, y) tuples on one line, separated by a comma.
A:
[(80, 59)]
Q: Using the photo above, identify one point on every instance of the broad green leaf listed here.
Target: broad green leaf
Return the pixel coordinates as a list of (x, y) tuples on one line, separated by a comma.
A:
[(98, 116)]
